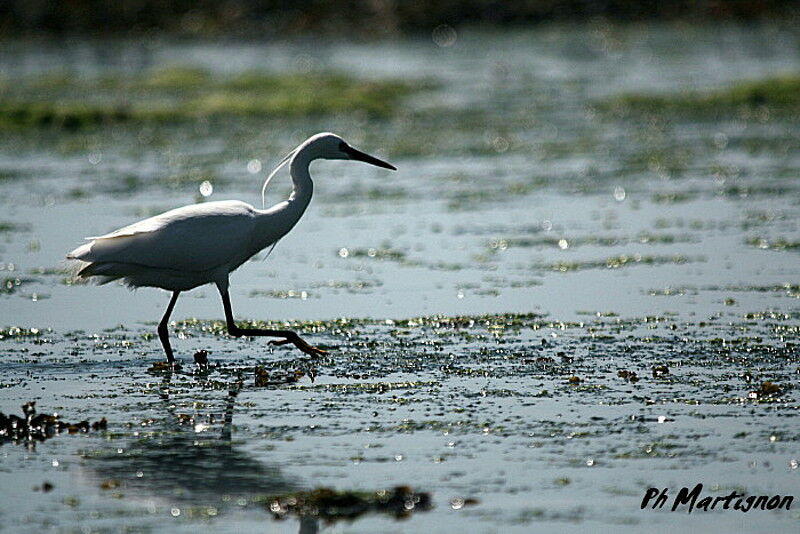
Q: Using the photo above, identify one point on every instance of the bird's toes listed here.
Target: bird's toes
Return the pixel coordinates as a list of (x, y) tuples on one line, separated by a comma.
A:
[(314, 351), (300, 344)]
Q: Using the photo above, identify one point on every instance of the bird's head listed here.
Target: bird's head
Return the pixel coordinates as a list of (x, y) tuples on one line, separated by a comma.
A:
[(323, 146), (331, 146)]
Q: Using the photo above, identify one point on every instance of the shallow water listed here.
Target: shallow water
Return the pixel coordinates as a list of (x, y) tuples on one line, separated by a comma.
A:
[(636, 244)]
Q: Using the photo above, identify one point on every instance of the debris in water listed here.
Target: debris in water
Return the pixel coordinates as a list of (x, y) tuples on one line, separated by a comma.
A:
[(46, 487), (629, 376), (33, 427), (161, 367), (110, 484), (767, 389), (332, 505), (201, 359), (458, 503), (660, 370), (264, 379)]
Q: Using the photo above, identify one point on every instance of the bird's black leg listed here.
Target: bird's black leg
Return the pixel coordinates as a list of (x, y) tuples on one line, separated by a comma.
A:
[(163, 332), (287, 335)]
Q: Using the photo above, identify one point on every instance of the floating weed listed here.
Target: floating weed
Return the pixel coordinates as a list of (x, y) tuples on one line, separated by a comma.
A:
[(7, 227), (791, 290), (628, 376), (372, 252), (616, 262), (503, 282), (779, 243), (566, 242), (398, 256), (672, 291), (301, 294), (66, 274), (9, 286), (355, 287), (264, 378), (368, 387), (673, 197), (431, 365), (20, 333), (755, 191)]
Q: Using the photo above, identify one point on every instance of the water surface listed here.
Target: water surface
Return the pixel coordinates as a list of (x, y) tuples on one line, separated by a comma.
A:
[(635, 244)]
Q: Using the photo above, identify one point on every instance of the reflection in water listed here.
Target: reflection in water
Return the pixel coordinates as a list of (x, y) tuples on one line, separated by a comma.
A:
[(199, 475), (187, 465)]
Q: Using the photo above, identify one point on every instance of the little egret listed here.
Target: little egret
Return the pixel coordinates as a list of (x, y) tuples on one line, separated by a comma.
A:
[(203, 243)]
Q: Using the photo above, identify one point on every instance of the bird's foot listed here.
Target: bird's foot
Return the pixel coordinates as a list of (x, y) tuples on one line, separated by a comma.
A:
[(298, 342), (163, 366)]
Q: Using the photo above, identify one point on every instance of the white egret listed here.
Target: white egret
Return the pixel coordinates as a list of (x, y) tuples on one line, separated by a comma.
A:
[(203, 243)]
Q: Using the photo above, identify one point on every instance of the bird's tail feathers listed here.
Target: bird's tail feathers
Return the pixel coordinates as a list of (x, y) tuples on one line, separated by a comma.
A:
[(103, 273), (80, 252)]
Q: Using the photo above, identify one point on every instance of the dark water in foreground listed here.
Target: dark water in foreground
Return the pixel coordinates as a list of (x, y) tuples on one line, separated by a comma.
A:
[(665, 247)]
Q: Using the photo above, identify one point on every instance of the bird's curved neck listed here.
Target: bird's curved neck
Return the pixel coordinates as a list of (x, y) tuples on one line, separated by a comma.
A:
[(272, 224), (301, 178)]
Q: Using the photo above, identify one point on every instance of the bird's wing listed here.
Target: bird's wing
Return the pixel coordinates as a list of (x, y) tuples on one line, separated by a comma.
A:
[(193, 238)]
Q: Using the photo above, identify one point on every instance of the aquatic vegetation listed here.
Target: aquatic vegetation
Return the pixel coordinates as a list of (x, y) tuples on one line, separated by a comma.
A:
[(187, 94), (628, 376), (360, 286), (756, 100), (378, 253), (565, 242), (301, 294), (616, 262), (791, 290), (264, 378), (164, 367), (11, 227), (20, 333), (673, 197), (474, 382), (10, 285), (779, 243)]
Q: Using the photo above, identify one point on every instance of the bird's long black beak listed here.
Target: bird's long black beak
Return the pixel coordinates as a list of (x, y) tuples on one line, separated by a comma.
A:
[(366, 158)]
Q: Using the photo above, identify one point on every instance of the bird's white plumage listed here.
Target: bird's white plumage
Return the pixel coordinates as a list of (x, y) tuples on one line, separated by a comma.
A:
[(195, 238), (186, 247)]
